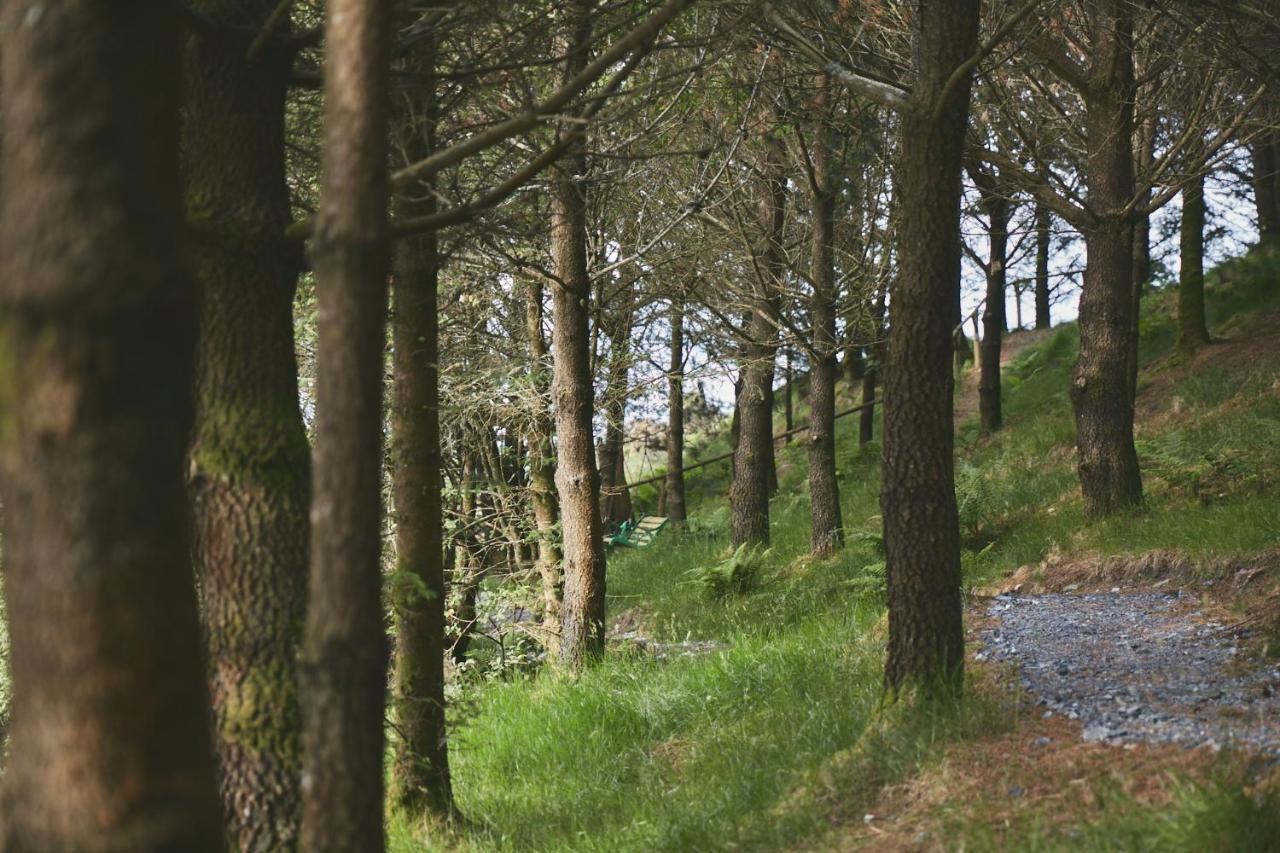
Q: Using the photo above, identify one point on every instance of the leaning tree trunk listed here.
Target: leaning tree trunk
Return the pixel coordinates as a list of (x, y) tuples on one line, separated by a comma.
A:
[(674, 487), (753, 462), (542, 474), (1100, 392), (917, 497), (110, 747), (993, 316), (420, 774), (1042, 223), (1193, 330), (249, 463), (826, 535), (344, 651), (577, 480)]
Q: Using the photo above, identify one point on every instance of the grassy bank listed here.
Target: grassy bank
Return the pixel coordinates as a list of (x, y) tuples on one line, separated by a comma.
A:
[(776, 738)]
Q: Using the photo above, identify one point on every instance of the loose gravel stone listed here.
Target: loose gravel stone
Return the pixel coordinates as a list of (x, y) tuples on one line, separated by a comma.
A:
[(1138, 667)]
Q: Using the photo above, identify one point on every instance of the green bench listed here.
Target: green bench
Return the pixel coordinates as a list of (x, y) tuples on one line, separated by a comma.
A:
[(637, 534)]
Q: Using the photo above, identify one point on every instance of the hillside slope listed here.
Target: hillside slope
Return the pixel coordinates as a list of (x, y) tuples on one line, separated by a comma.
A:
[(772, 736)]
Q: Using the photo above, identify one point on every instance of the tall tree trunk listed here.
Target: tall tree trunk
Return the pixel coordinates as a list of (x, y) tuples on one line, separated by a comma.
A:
[(1146, 141), (871, 375), (1193, 330), (826, 535), (854, 364), (615, 501), (858, 345), (249, 464), (1266, 184), (469, 563), (674, 489), (788, 407), (110, 748), (1042, 225), (1106, 458), (996, 208), (420, 774), (578, 482), (344, 659), (753, 462), (542, 473), (917, 497)]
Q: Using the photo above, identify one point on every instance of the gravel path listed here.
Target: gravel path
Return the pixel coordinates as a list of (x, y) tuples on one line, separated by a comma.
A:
[(1138, 667)]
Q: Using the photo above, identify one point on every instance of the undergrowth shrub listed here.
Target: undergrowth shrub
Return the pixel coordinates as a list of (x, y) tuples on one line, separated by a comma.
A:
[(870, 579), (737, 575), (975, 501), (867, 578)]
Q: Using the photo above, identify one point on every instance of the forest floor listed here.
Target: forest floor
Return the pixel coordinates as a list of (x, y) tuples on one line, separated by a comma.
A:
[(752, 718)]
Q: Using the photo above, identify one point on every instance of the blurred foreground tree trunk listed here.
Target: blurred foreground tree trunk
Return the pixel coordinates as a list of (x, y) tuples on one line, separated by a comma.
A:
[(110, 748)]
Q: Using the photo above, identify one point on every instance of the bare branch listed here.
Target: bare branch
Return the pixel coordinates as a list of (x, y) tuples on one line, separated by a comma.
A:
[(886, 94)]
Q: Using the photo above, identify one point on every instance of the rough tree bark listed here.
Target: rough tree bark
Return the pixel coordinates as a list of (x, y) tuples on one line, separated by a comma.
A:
[(826, 535), (420, 774), (996, 207), (674, 487), (110, 747), (1042, 226), (577, 480), (542, 473), (344, 650), (1101, 397), (917, 497), (753, 462), (1193, 330), (249, 463)]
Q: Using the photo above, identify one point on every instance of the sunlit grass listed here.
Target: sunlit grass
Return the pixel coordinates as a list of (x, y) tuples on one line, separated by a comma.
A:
[(752, 745)]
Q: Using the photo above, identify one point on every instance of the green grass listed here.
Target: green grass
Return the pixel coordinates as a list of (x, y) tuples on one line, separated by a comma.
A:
[(1215, 815), (749, 746)]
